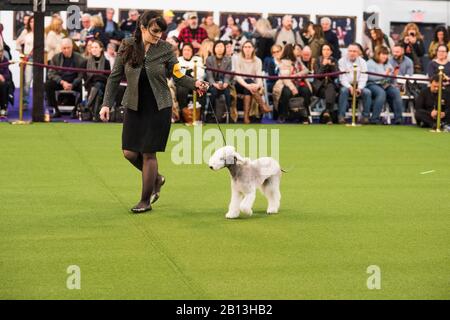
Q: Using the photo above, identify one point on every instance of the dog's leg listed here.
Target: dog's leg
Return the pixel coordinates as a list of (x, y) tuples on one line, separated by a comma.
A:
[(247, 204), (233, 209), (271, 189)]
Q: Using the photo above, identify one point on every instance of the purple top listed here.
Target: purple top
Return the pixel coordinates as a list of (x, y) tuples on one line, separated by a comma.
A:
[(4, 69)]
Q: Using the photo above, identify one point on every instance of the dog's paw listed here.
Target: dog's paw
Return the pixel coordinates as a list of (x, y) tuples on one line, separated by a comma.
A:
[(232, 215), (247, 211), (272, 210)]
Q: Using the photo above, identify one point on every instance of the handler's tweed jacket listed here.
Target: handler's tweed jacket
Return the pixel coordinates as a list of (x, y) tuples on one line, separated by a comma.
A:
[(160, 64)]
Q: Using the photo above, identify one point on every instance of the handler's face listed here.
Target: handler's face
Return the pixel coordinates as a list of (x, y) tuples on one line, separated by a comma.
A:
[(152, 34)]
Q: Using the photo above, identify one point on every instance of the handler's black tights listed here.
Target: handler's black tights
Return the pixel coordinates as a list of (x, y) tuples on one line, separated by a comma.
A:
[(148, 164)]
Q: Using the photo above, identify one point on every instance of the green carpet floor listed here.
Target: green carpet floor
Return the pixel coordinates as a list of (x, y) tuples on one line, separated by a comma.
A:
[(353, 197)]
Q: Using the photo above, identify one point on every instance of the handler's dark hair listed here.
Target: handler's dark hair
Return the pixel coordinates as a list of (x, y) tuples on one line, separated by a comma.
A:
[(133, 53)]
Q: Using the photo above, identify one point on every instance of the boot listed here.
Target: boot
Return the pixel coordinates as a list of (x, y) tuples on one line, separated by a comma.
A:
[(247, 102), (262, 104)]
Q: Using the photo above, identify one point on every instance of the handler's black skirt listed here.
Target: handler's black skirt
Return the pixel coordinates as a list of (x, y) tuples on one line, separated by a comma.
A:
[(146, 130)]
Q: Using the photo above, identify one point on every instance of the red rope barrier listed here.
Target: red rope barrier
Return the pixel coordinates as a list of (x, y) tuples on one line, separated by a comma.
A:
[(324, 75), (4, 64), (69, 68)]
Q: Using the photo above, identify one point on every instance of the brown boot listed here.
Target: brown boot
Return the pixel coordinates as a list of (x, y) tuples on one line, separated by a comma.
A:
[(247, 102), (262, 104)]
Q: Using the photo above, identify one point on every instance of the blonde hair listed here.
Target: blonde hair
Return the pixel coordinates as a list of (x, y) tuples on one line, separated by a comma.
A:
[(413, 26), (97, 21), (206, 49), (56, 25)]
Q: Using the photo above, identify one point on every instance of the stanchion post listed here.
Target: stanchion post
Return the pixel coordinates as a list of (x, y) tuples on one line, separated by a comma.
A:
[(194, 98), (22, 64)]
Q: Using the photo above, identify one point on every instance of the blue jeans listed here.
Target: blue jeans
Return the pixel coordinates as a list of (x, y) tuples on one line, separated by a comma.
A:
[(215, 93), (380, 95), (366, 96)]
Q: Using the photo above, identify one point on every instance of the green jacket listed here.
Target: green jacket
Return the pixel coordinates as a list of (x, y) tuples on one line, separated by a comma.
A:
[(160, 64)]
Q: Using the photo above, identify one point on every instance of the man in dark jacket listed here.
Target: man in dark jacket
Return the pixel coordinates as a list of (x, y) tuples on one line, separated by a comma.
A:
[(426, 106), (331, 37), (64, 80)]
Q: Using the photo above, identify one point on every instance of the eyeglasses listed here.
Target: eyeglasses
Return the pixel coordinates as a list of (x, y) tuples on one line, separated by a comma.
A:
[(154, 30), (278, 51)]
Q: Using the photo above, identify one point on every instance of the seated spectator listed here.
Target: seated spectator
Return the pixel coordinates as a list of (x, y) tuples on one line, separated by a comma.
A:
[(326, 88), (81, 39), (361, 51), (307, 58), (96, 32), (180, 24), (54, 37), (298, 51), (272, 65), (87, 49), (331, 37), (187, 62), (64, 80), (440, 60), (291, 66), (111, 54), (95, 82), (205, 50), (111, 29), (403, 66), (236, 38), (441, 37), (426, 106), (175, 42), (263, 36), (377, 39), (248, 63), (383, 88), (346, 65), (211, 28), (5, 76), (219, 82), (129, 26), (412, 41), (286, 34), (193, 34), (316, 41), (225, 31), (168, 17)]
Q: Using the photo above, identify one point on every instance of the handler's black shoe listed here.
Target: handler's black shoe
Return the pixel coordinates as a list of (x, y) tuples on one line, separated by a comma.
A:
[(138, 209), (156, 194)]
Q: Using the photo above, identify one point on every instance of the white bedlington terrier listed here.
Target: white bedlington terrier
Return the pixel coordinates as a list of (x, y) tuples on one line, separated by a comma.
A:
[(246, 176)]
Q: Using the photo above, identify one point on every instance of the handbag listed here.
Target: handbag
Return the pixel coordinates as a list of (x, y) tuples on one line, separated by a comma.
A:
[(297, 107)]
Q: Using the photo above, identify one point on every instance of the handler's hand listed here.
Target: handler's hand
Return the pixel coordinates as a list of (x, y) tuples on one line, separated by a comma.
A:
[(104, 114), (202, 87)]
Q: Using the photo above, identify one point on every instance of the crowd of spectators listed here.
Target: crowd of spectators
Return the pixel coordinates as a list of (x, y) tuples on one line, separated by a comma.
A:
[(282, 51)]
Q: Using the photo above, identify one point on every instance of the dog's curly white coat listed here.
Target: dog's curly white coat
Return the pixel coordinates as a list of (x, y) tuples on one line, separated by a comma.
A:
[(246, 176)]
